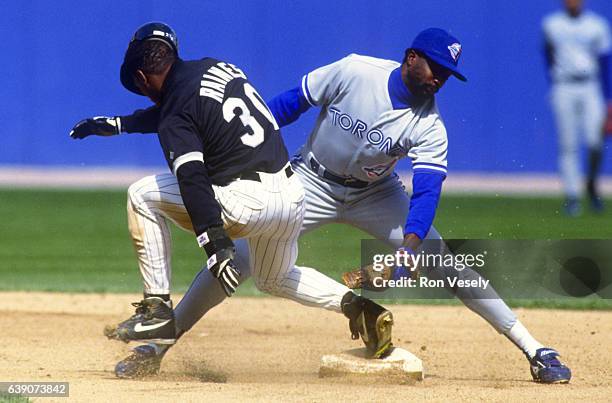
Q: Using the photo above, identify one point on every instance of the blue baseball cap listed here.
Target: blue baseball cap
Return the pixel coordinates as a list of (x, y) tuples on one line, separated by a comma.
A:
[(440, 47)]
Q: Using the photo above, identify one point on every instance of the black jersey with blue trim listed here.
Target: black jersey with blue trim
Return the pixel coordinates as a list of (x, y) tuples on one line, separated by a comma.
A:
[(211, 110)]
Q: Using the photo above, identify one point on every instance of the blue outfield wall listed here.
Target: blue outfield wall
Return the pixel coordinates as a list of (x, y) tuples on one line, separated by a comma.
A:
[(60, 63)]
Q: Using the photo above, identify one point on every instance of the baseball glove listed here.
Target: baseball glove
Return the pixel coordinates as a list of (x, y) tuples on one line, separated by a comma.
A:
[(369, 279), (364, 278)]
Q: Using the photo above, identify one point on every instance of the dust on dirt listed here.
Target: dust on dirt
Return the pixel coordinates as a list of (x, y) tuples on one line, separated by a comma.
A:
[(268, 349)]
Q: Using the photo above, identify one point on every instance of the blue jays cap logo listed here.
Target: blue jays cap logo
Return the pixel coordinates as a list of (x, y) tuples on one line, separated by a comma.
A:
[(440, 47), (455, 51)]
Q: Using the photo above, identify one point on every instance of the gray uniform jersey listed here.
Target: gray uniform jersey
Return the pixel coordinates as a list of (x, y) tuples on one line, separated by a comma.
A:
[(358, 133), (577, 43)]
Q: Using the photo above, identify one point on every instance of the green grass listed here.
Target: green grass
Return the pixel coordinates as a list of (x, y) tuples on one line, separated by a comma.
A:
[(9, 398), (78, 240), (498, 217)]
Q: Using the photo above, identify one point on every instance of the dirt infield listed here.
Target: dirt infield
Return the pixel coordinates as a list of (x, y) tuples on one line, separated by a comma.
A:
[(255, 349)]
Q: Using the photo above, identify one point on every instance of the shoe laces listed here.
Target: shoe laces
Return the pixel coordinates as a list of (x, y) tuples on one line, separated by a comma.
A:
[(550, 360), (142, 308)]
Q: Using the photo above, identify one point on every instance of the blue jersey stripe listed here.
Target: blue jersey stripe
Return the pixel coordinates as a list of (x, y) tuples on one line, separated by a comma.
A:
[(428, 164), (306, 91)]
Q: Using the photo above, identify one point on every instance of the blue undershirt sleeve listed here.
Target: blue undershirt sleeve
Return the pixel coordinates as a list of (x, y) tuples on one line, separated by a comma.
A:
[(288, 106), (426, 189)]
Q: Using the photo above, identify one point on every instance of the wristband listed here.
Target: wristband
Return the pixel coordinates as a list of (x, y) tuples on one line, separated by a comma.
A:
[(214, 239), (400, 272)]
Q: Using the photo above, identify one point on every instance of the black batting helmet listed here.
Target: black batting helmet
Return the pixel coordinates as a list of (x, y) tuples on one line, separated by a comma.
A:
[(151, 31)]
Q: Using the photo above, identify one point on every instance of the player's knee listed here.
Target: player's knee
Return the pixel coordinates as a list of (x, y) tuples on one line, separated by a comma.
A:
[(138, 189), (133, 193)]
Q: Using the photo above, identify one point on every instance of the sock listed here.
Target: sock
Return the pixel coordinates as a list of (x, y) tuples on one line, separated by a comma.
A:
[(345, 304), (165, 297), (521, 337)]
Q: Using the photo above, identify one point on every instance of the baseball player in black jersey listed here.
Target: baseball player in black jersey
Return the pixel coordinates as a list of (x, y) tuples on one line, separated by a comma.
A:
[(230, 179)]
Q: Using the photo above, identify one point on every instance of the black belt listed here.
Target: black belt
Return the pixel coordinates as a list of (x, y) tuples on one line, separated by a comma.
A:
[(254, 176), (340, 180), (574, 79)]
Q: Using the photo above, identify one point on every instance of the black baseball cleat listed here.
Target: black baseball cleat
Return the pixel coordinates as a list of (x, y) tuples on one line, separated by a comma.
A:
[(144, 361), (153, 322), (370, 321)]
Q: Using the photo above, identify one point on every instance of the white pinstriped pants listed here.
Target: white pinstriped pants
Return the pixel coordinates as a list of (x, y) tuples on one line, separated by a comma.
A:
[(268, 214)]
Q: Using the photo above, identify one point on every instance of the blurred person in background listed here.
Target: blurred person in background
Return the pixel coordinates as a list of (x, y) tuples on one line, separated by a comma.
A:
[(577, 48)]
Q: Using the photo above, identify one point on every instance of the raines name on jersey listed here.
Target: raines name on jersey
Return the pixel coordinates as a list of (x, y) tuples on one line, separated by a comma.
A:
[(359, 129), (216, 78)]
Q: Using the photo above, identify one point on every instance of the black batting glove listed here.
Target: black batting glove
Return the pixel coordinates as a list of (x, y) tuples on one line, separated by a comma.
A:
[(225, 271), (220, 250), (98, 125)]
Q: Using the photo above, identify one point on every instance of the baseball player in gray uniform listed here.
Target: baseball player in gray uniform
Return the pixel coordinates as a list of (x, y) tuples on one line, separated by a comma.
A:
[(577, 45), (372, 113)]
